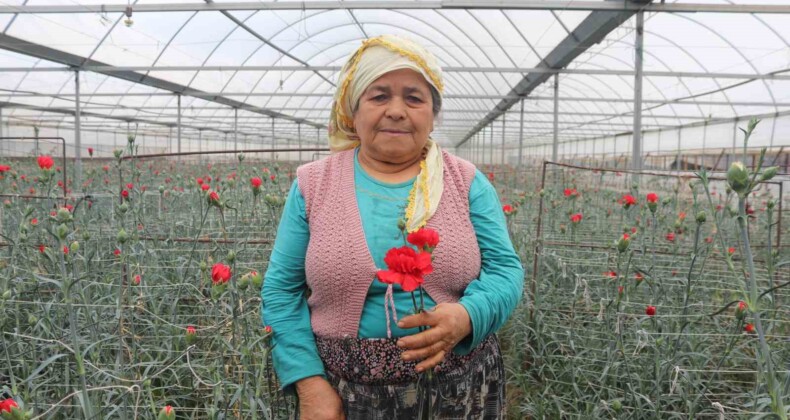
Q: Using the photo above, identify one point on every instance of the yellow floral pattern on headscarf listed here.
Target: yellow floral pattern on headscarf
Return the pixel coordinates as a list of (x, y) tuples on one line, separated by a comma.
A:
[(370, 61)]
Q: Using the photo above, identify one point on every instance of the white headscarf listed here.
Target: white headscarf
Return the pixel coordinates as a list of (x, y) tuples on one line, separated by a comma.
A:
[(373, 59)]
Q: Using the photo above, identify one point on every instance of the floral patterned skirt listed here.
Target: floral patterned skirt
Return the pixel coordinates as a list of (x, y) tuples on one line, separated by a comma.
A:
[(374, 383)]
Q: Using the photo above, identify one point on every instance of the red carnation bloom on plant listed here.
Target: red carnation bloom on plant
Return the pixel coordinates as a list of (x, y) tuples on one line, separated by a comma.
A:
[(117, 252), (650, 310), (273, 177), (200, 181), (576, 218), (124, 194), (628, 201), (507, 209), (731, 250), (425, 239), (90, 151), (205, 187), (749, 328), (671, 237), (652, 198), (220, 273), (406, 267), (45, 162), (7, 404), (256, 182)]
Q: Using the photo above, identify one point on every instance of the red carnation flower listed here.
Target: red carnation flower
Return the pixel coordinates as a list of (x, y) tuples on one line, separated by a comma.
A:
[(628, 200), (205, 187), (652, 197), (220, 273), (130, 186), (507, 209), (273, 177), (41, 248), (576, 218), (200, 181), (424, 239), (255, 182), (117, 252), (45, 162), (749, 328), (124, 194), (491, 176), (406, 267), (671, 237), (6, 168), (90, 151), (650, 310), (213, 198), (7, 404), (731, 250)]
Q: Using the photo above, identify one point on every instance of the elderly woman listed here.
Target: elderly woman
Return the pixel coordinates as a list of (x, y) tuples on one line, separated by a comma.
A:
[(334, 342)]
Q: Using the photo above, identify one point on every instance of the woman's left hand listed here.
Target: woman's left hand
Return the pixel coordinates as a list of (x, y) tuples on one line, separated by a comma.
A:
[(449, 323)]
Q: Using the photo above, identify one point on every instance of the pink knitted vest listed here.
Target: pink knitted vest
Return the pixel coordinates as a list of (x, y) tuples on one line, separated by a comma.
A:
[(338, 264)]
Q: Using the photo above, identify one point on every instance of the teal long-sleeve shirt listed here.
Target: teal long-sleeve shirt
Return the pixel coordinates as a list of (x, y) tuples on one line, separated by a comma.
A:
[(489, 299)]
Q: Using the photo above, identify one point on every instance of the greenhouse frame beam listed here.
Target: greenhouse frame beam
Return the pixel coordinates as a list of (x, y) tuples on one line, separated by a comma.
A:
[(515, 98), (581, 5), (590, 31), (776, 75), (70, 111), (30, 49)]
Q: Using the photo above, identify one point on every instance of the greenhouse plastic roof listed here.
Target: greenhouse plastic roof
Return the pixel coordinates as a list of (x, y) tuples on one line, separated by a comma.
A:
[(284, 64)]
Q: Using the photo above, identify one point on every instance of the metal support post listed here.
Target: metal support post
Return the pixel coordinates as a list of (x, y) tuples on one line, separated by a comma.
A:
[(636, 150), (299, 136), (555, 140), (274, 141), (491, 148), (77, 134), (235, 129), (178, 124), (521, 136), (503, 141)]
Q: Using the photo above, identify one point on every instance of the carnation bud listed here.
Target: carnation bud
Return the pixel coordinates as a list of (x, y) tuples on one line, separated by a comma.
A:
[(542, 193), (191, 335), (617, 405), (64, 215), (740, 310), (161, 189), (244, 282), (167, 412), (122, 237), (86, 236), (769, 173), (123, 208), (75, 246), (203, 266), (62, 231), (32, 320), (130, 138), (7, 295), (257, 279), (770, 204), (117, 153), (738, 178), (623, 243), (231, 256), (401, 225), (701, 217)]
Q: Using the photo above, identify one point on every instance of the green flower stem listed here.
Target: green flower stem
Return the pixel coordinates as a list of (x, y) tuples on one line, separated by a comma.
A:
[(684, 320), (75, 343), (766, 367)]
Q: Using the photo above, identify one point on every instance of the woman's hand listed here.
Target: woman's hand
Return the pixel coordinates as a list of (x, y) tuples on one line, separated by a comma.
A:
[(318, 400), (449, 324)]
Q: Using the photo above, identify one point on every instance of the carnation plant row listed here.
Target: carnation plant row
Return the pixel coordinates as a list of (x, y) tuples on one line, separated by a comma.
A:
[(139, 295)]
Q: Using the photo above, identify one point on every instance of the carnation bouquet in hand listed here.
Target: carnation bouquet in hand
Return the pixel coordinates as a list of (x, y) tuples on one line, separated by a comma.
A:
[(407, 267)]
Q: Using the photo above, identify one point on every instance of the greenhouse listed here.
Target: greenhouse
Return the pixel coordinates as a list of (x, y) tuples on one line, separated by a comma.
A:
[(153, 152)]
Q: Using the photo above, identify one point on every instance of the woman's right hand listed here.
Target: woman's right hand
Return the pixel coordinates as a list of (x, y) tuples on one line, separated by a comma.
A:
[(318, 400)]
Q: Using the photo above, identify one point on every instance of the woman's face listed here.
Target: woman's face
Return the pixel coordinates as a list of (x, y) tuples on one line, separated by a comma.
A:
[(395, 116)]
